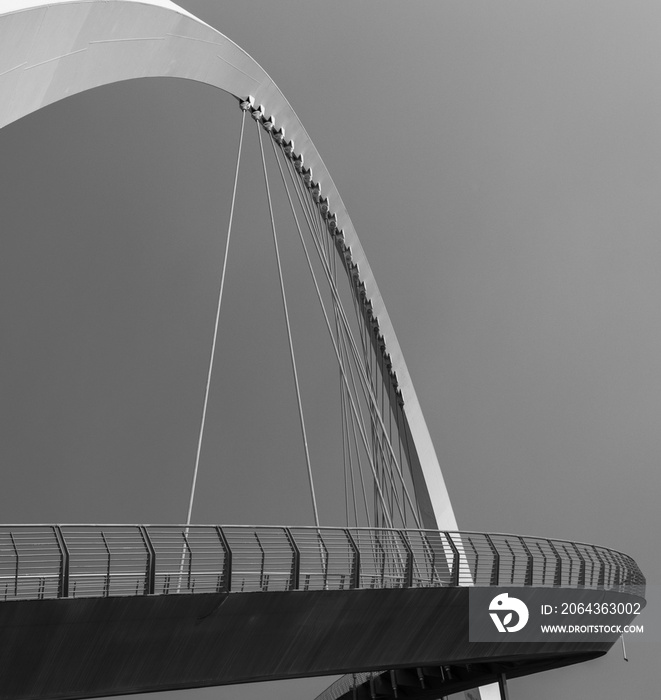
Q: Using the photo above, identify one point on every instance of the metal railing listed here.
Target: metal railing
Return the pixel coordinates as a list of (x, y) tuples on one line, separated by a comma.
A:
[(75, 561)]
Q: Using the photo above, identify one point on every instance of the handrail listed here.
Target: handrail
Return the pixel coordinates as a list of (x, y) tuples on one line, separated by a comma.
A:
[(8, 526), (67, 561)]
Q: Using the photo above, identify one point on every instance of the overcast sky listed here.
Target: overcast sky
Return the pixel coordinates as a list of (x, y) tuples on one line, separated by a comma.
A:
[(501, 163)]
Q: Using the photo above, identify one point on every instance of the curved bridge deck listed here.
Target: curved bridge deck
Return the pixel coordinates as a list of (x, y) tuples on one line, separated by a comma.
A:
[(100, 610)]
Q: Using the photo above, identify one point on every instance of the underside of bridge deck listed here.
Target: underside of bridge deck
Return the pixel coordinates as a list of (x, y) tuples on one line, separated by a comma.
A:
[(74, 648)]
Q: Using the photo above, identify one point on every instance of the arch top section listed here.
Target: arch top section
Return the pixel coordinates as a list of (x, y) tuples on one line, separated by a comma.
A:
[(52, 49)]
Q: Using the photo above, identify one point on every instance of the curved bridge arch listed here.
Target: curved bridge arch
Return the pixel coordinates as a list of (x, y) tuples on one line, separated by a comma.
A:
[(53, 49)]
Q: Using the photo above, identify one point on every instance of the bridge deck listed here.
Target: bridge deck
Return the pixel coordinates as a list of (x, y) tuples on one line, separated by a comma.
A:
[(105, 646), (115, 610)]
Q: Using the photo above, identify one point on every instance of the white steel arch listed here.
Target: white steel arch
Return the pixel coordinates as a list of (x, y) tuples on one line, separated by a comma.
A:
[(51, 49)]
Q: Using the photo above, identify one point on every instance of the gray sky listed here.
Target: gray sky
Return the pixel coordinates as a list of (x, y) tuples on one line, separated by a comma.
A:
[(501, 163)]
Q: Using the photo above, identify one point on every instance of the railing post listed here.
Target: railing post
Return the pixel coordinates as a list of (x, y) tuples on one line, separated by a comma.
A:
[(509, 546), (601, 581), (495, 571), (355, 583), (557, 578), (150, 581), (13, 544), (571, 563), (529, 565), (263, 564), (227, 565), (106, 589), (383, 553), (581, 570), (64, 562), (408, 574), (296, 561), (455, 559), (323, 550), (184, 534), (617, 579)]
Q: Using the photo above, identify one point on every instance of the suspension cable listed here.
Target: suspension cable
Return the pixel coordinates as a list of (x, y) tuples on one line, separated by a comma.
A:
[(366, 380), (328, 326), (289, 336), (372, 398), (380, 433), (359, 417), (360, 471), (370, 385), (351, 466), (215, 328)]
